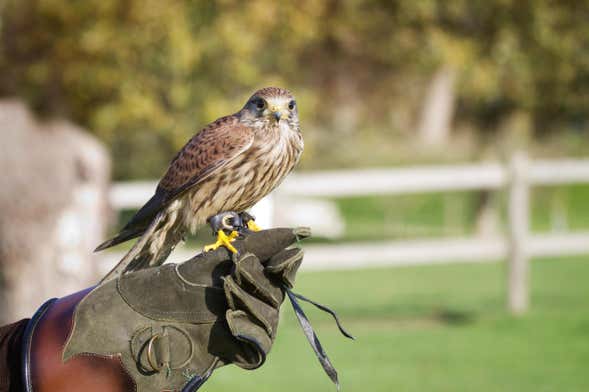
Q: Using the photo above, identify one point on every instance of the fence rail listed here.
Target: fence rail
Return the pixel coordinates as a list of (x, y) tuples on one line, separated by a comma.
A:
[(133, 194), (516, 176)]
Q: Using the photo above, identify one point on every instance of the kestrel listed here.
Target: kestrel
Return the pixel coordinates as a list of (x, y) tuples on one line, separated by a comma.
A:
[(228, 166)]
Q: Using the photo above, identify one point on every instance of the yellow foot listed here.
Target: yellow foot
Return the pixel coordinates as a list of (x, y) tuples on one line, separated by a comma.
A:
[(223, 240), (253, 226)]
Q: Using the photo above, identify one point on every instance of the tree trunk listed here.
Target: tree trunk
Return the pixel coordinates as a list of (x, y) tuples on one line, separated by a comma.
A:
[(438, 109)]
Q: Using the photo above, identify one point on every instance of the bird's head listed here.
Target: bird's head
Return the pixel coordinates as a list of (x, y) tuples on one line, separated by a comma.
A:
[(271, 105)]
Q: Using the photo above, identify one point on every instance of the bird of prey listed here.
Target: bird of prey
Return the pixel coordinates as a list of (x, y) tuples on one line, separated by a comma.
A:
[(229, 165)]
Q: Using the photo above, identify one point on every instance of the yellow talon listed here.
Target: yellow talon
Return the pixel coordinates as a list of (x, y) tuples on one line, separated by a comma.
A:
[(253, 226), (223, 240)]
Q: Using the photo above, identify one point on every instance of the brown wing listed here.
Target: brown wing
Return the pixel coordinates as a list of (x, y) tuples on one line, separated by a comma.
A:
[(209, 150), (204, 154)]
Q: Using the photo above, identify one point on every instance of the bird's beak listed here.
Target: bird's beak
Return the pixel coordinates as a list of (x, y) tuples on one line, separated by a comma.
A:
[(276, 113)]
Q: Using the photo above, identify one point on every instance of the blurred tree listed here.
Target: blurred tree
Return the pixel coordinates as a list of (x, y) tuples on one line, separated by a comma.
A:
[(144, 75)]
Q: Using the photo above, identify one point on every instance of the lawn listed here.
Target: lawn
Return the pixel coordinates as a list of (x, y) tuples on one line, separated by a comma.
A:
[(434, 328)]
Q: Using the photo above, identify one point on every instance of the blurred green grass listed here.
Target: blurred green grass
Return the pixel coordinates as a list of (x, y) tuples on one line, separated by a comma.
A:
[(433, 328), (400, 216), (454, 213)]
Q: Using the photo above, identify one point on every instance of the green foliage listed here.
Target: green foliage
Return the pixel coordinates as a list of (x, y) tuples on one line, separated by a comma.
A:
[(145, 75)]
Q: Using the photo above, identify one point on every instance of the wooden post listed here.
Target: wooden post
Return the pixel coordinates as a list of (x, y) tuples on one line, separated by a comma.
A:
[(518, 263)]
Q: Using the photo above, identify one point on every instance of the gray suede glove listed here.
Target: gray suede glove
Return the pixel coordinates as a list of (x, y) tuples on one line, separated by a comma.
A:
[(173, 325)]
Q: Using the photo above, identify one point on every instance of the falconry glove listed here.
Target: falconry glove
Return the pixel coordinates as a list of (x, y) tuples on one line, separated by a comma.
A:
[(167, 328)]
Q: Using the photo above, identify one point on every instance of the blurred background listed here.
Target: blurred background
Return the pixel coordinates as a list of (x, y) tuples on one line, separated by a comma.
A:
[(445, 172)]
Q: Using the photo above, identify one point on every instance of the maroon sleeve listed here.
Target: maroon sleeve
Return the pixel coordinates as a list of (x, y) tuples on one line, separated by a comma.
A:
[(10, 356)]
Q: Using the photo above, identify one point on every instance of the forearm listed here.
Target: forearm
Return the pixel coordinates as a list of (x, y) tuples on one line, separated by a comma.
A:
[(163, 328), (10, 356)]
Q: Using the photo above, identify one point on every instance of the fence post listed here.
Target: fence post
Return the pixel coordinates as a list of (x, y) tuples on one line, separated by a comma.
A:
[(518, 263)]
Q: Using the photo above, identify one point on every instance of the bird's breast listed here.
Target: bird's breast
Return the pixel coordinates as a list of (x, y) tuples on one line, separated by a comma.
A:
[(243, 181)]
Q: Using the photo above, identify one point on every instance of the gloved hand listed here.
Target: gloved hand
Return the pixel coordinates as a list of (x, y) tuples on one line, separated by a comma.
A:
[(169, 327)]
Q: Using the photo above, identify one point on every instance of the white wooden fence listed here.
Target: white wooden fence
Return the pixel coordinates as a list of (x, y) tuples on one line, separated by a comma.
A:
[(518, 246)]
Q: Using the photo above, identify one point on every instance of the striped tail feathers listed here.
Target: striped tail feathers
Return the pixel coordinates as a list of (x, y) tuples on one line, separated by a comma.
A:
[(136, 252), (123, 236), (138, 223), (153, 248)]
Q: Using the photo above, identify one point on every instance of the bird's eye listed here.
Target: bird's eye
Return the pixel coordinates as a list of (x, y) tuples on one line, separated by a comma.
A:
[(260, 104), (291, 105)]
